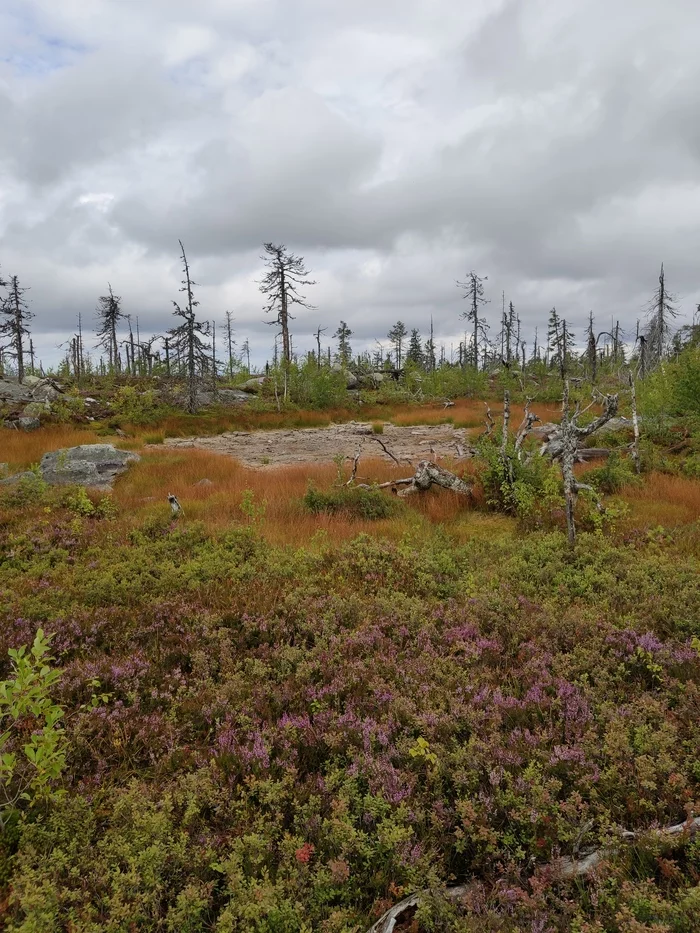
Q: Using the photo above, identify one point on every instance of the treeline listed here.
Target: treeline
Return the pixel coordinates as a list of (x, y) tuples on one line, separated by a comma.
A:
[(189, 350)]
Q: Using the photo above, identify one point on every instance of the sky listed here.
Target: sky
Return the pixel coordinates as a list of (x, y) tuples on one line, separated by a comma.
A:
[(552, 146)]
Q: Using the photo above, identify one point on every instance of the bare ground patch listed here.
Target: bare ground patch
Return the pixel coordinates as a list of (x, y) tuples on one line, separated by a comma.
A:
[(260, 449)]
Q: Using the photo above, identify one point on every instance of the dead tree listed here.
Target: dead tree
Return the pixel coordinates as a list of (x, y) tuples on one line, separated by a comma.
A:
[(564, 868), (285, 276), (188, 336), (427, 474), (635, 427), (563, 447), (473, 292), (15, 326)]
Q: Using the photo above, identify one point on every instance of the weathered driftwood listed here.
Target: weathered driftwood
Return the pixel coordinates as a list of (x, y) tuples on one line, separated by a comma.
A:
[(564, 868), (449, 403), (427, 474)]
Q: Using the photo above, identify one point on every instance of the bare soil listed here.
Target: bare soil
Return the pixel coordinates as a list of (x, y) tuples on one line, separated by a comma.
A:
[(261, 449)]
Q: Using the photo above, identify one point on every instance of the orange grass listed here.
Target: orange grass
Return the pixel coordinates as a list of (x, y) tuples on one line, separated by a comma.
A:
[(143, 490), (664, 500), (23, 448)]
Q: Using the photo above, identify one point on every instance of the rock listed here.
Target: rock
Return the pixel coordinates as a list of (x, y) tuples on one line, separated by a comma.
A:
[(36, 409), (204, 482), (86, 465), (27, 476), (253, 385), (351, 381), (223, 397), (29, 424), (32, 381), (90, 401), (14, 393)]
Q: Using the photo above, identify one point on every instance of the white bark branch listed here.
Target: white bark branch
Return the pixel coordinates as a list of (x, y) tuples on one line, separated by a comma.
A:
[(564, 868)]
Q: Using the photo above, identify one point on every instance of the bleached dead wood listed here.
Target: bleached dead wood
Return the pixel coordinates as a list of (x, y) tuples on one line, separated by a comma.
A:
[(506, 424), (449, 403), (526, 425), (635, 427), (387, 451), (564, 445), (490, 423), (564, 868), (355, 463), (427, 474)]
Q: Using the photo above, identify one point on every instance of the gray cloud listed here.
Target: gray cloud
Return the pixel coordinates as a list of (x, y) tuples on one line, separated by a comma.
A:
[(554, 147)]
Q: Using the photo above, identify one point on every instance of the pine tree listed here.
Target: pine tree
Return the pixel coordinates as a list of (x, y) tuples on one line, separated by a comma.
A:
[(18, 315), (415, 349), (397, 335), (342, 335), (473, 289), (188, 336)]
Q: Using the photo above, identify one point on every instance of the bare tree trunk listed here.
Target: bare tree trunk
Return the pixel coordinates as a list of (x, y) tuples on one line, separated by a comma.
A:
[(506, 423), (635, 427)]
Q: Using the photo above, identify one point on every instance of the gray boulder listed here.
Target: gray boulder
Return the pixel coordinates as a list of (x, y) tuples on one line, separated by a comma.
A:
[(224, 397), (253, 385), (86, 465), (28, 423), (14, 393)]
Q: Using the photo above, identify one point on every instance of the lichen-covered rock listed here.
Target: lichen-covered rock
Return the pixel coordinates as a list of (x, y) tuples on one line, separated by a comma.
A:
[(86, 465), (29, 423)]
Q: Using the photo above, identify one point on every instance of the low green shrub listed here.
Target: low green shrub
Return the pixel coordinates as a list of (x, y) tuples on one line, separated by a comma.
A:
[(613, 475), (368, 504)]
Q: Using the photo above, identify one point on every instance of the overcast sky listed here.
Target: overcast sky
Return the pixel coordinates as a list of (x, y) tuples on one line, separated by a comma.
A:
[(551, 145)]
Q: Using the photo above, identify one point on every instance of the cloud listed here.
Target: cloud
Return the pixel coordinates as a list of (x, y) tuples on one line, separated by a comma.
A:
[(553, 147)]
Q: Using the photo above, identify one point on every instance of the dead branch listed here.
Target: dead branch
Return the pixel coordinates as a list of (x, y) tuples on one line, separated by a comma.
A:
[(490, 423), (526, 425), (355, 463), (448, 403), (564, 868), (387, 451)]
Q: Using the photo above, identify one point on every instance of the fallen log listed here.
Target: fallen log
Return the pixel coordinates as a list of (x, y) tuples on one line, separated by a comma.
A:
[(427, 474), (564, 868)]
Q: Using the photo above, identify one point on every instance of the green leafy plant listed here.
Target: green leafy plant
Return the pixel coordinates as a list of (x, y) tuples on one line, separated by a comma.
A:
[(371, 504), (32, 743), (252, 510)]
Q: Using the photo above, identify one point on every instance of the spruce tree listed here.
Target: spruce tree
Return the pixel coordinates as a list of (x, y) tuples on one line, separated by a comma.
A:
[(16, 324), (188, 337)]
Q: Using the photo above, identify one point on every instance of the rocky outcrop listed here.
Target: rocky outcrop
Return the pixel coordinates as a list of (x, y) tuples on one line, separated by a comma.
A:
[(86, 465)]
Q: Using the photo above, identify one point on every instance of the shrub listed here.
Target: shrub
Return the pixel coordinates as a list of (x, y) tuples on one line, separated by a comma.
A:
[(32, 751), (368, 504), (377, 428), (615, 473), (137, 407)]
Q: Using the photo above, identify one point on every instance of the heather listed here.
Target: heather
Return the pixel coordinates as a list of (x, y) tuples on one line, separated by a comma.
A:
[(284, 737)]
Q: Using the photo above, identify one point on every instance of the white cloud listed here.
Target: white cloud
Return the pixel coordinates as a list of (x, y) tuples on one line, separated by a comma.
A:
[(554, 147)]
